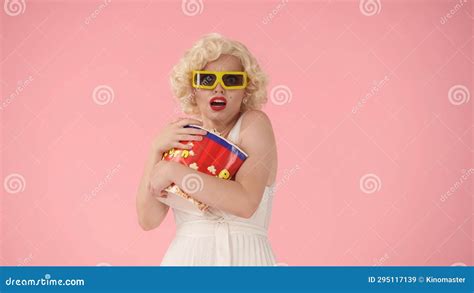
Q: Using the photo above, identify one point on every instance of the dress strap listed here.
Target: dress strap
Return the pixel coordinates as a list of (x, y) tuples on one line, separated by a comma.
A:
[(235, 131)]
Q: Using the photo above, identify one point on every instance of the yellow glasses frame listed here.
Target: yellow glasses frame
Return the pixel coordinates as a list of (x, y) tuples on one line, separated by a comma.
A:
[(219, 75)]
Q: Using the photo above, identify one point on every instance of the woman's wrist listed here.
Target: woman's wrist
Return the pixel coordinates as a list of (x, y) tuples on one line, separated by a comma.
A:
[(157, 151)]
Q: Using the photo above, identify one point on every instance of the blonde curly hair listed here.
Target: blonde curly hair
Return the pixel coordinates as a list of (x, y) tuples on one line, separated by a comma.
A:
[(208, 49)]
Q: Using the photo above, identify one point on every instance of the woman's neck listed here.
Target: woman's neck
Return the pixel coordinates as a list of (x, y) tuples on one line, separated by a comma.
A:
[(223, 127)]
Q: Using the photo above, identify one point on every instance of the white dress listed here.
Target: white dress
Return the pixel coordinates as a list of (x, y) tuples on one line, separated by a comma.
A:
[(222, 239)]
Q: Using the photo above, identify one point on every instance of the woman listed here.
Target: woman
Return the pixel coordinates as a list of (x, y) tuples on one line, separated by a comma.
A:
[(228, 104)]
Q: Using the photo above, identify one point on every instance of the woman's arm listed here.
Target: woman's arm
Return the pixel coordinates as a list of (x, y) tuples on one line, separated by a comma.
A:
[(151, 212), (242, 196)]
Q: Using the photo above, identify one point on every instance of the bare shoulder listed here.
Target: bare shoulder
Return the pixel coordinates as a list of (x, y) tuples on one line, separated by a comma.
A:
[(256, 129), (258, 140), (256, 119)]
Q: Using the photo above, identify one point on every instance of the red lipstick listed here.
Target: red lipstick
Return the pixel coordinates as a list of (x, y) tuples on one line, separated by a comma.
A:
[(218, 103)]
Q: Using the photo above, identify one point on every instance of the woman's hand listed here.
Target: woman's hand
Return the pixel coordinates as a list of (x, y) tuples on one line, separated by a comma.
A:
[(171, 135), (159, 180)]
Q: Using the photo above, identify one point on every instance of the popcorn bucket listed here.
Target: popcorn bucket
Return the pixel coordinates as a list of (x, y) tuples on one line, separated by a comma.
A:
[(213, 155)]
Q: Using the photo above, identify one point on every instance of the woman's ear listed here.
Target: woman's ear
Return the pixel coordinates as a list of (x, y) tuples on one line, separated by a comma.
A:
[(243, 104), (245, 99)]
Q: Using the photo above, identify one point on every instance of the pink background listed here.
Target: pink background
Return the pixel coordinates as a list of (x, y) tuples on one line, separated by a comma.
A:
[(371, 89)]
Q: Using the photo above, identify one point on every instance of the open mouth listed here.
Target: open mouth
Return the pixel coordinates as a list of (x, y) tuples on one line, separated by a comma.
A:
[(218, 103)]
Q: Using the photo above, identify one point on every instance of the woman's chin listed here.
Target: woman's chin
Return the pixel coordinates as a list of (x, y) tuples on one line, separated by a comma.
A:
[(220, 115), (210, 113)]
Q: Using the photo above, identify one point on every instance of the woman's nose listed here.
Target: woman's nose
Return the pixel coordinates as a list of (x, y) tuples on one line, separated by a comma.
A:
[(219, 89)]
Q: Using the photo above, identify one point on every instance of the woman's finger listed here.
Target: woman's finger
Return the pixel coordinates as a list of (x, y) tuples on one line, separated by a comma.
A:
[(185, 137), (190, 130), (183, 146), (187, 121), (174, 121)]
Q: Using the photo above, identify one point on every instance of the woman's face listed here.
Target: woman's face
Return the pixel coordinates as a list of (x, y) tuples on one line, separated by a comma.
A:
[(220, 104)]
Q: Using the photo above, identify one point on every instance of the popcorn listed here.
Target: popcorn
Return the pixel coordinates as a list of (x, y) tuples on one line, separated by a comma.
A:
[(212, 155), (212, 169)]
